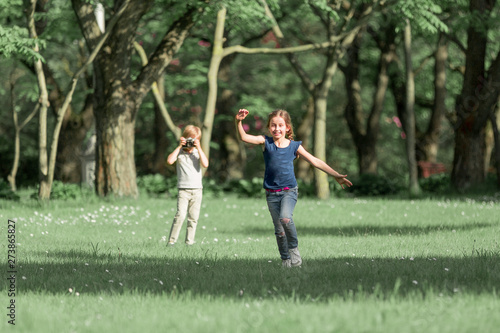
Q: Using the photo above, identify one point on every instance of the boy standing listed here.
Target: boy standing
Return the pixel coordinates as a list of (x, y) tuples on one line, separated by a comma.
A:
[(190, 159)]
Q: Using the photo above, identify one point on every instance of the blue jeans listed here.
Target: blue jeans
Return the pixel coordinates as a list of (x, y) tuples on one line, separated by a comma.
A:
[(281, 205)]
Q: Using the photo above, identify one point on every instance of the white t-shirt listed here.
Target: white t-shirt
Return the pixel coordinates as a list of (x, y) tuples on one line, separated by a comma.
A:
[(189, 169)]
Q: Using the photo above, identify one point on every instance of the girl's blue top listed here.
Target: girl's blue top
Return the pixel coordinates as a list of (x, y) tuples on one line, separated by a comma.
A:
[(279, 164)]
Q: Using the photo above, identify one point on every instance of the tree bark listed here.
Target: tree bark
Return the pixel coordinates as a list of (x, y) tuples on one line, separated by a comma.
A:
[(428, 143), (495, 124), (475, 105), (304, 131), (160, 129), (365, 137), (320, 103), (217, 56), (17, 130), (74, 130), (414, 187), (43, 161)]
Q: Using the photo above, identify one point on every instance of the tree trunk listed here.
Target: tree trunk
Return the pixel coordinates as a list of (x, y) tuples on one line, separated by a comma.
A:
[(304, 131), (17, 130), (428, 143), (495, 124), (160, 129), (489, 145), (321, 178), (232, 157), (115, 164), (365, 138), (217, 55), (43, 161), (17, 152), (475, 105), (410, 113), (73, 132), (320, 96), (367, 156), (468, 162)]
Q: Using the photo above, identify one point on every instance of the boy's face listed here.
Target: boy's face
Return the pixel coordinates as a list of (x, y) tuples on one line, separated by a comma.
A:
[(278, 127)]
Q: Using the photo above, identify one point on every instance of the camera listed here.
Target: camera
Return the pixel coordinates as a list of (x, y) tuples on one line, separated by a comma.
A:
[(189, 143)]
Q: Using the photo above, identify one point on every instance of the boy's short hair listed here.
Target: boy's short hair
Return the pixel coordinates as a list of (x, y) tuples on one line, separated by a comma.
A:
[(192, 131)]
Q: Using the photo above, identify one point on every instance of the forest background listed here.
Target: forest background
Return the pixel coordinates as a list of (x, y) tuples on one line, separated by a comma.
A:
[(374, 88)]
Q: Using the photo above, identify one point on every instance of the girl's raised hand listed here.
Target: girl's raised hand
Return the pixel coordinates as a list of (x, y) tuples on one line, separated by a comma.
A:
[(242, 113), (343, 181)]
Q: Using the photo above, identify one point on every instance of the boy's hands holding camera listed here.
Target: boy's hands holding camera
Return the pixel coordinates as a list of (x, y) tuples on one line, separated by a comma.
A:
[(189, 142)]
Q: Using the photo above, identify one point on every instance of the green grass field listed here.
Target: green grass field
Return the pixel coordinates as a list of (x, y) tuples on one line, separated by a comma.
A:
[(369, 265)]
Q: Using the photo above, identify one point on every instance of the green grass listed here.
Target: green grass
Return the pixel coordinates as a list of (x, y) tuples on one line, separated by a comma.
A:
[(369, 266)]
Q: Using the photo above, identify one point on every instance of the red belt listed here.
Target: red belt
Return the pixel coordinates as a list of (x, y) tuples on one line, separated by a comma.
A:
[(281, 189)]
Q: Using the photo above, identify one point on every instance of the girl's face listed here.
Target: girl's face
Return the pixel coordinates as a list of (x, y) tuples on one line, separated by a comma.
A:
[(278, 127)]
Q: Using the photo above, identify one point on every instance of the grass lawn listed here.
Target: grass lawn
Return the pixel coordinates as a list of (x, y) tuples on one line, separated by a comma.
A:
[(369, 265)]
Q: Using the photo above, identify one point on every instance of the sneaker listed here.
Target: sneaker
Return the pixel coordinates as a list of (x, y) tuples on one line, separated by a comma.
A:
[(171, 243), (296, 260), (286, 262)]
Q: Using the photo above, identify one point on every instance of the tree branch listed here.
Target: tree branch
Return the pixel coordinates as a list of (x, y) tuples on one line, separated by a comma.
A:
[(159, 100)]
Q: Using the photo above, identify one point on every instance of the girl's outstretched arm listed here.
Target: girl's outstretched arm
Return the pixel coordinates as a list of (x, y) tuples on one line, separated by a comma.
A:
[(317, 163), (253, 139)]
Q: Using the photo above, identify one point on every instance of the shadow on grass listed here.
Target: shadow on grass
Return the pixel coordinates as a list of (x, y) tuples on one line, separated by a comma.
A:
[(197, 271), (369, 230)]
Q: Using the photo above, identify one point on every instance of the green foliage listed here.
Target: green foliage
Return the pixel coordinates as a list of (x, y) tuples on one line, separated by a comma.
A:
[(14, 37), (6, 192), (156, 185), (62, 191), (435, 183), (325, 7), (373, 185), (257, 105), (423, 14), (246, 188), (307, 189), (14, 42), (67, 191), (245, 17)]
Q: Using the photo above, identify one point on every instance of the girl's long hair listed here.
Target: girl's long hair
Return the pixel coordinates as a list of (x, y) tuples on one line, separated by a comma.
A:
[(286, 117)]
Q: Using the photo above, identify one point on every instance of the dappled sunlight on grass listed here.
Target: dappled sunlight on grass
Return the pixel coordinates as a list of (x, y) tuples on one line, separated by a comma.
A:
[(382, 254)]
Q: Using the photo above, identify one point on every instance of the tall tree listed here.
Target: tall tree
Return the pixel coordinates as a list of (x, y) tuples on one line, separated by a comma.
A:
[(117, 95), (13, 77), (337, 40), (341, 33), (47, 162), (43, 160), (409, 111), (476, 103), (365, 137)]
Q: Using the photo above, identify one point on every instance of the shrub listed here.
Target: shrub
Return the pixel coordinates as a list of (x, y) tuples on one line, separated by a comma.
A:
[(62, 191), (435, 183), (373, 185), (245, 188), (157, 184), (68, 191), (6, 192), (211, 188), (306, 189)]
